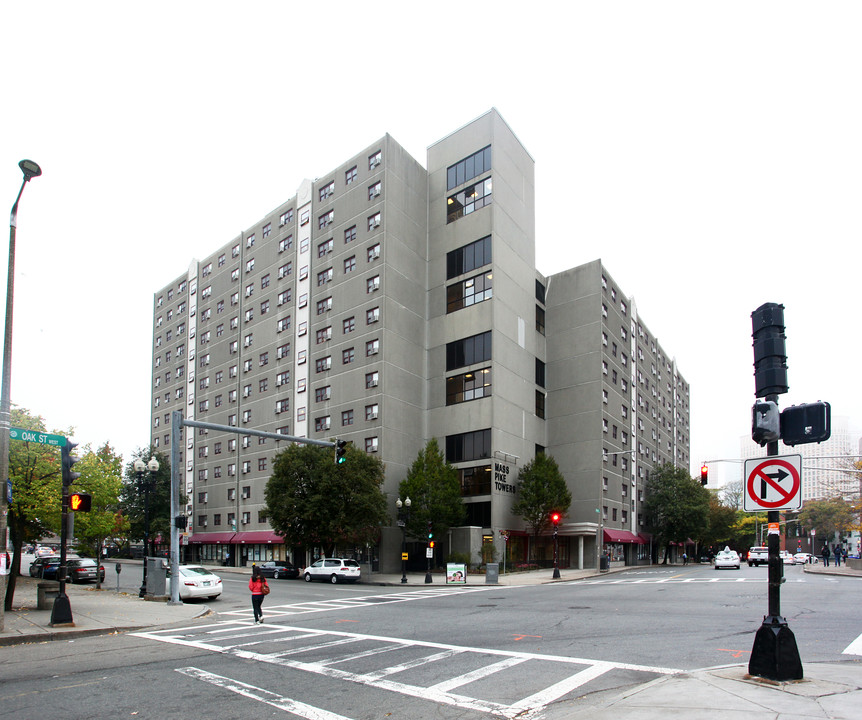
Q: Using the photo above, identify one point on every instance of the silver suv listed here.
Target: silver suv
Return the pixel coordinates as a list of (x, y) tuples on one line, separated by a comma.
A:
[(333, 569), (758, 556)]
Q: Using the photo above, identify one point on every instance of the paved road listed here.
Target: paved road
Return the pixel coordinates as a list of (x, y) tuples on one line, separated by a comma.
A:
[(329, 652)]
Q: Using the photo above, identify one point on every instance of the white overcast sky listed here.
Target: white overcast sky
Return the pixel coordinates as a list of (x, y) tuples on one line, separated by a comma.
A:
[(709, 153)]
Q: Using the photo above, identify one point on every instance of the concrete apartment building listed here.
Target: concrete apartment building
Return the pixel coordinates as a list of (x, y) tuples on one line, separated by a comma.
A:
[(387, 303)]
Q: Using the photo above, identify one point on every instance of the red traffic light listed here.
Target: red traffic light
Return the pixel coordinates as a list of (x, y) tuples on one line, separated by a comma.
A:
[(704, 472), (555, 518), (80, 501)]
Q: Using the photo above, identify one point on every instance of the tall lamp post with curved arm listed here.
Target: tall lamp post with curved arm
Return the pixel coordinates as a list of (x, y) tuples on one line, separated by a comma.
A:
[(30, 170), (145, 486)]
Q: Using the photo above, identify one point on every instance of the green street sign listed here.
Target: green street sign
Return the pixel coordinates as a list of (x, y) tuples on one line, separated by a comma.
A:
[(36, 437)]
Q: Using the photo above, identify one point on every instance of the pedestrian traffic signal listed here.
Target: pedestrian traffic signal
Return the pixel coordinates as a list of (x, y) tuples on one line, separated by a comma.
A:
[(430, 530), (340, 451), (704, 472), (431, 544), (808, 423), (80, 501), (67, 461)]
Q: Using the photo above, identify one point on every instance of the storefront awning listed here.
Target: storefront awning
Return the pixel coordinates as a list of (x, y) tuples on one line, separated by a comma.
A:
[(262, 536), (224, 537), (622, 536)]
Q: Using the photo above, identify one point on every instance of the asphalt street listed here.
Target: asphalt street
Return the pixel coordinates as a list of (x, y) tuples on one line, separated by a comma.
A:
[(365, 651)]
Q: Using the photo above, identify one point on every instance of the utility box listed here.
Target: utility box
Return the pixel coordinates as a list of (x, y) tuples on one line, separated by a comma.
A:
[(492, 573), (46, 593), (156, 576)]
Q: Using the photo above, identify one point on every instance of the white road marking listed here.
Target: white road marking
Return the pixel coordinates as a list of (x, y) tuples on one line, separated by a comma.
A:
[(854, 648), (255, 693)]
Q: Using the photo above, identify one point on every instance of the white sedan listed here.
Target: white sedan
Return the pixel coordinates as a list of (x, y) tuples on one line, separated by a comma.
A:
[(197, 581), (787, 557), (333, 570), (727, 558)]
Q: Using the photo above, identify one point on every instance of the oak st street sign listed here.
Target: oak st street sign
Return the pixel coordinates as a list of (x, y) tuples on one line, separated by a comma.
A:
[(35, 436)]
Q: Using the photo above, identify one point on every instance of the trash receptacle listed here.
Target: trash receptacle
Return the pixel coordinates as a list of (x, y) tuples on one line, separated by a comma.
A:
[(46, 593), (604, 563), (492, 573)]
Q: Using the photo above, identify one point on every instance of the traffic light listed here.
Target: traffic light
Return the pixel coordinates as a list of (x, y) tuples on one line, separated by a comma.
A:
[(765, 422), (770, 355), (80, 501), (68, 460), (430, 530), (431, 544), (555, 518), (704, 472), (340, 451), (807, 423)]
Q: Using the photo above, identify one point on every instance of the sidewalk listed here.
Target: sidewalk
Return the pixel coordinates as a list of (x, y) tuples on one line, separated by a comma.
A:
[(828, 690)]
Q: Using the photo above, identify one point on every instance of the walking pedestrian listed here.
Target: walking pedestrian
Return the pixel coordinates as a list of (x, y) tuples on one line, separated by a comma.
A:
[(825, 555), (684, 559), (259, 590), (838, 553)]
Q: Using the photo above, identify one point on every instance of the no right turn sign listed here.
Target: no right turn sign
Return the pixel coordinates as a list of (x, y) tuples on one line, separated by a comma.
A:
[(773, 483)]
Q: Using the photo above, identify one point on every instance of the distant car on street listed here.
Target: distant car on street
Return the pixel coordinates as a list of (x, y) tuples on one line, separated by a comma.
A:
[(802, 558), (787, 557), (196, 581), (84, 570), (333, 570), (43, 551), (758, 556), (277, 569), (45, 568), (727, 558)]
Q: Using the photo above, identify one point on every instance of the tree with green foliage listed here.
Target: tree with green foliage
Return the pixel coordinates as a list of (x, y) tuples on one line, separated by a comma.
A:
[(676, 506), (312, 501), (827, 517), (542, 490), (37, 492), (133, 496), (102, 477), (435, 493)]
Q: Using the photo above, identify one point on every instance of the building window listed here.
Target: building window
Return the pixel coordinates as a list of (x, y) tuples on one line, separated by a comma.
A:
[(325, 219), (540, 320), (249, 241), (350, 175), (468, 168), (374, 252), (322, 423), (372, 379), (375, 159), (350, 234), (323, 364), (469, 292), (348, 325), (468, 386), (468, 446), (347, 417), (372, 284), (326, 191), (468, 258), (474, 349), (283, 378), (324, 248), (282, 351), (322, 394), (324, 276), (540, 404), (371, 444), (286, 243), (286, 217), (350, 264), (374, 190), (468, 200), (372, 347), (348, 356), (374, 221), (323, 335), (324, 305), (372, 411), (282, 406)]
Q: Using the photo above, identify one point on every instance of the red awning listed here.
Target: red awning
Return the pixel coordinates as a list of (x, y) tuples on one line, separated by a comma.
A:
[(622, 536), (262, 536), (224, 537)]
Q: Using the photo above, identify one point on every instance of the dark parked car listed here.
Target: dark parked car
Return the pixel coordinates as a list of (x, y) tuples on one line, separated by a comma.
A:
[(277, 570), (45, 567), (84, 570)]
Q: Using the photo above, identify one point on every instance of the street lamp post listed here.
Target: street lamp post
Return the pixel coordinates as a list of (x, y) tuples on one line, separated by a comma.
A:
[(30, 170), (145, 486), (403, 519)]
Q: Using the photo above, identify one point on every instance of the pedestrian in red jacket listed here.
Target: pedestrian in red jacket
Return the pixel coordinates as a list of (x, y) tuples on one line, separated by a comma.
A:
[(259, 589)]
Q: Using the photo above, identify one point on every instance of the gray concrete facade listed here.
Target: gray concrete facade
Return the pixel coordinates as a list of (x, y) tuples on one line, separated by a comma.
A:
[(386, 304)]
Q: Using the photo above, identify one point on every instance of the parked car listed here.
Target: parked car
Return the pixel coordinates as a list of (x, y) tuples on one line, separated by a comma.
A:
[(727, 558), (787, 557), (84, 570), (276, 570), (196, 581), (803, 557), (758, 556), (333, 569), (45, 567)]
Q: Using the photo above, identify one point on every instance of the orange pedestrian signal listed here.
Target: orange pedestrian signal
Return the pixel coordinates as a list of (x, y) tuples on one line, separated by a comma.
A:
[(80, 501)]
